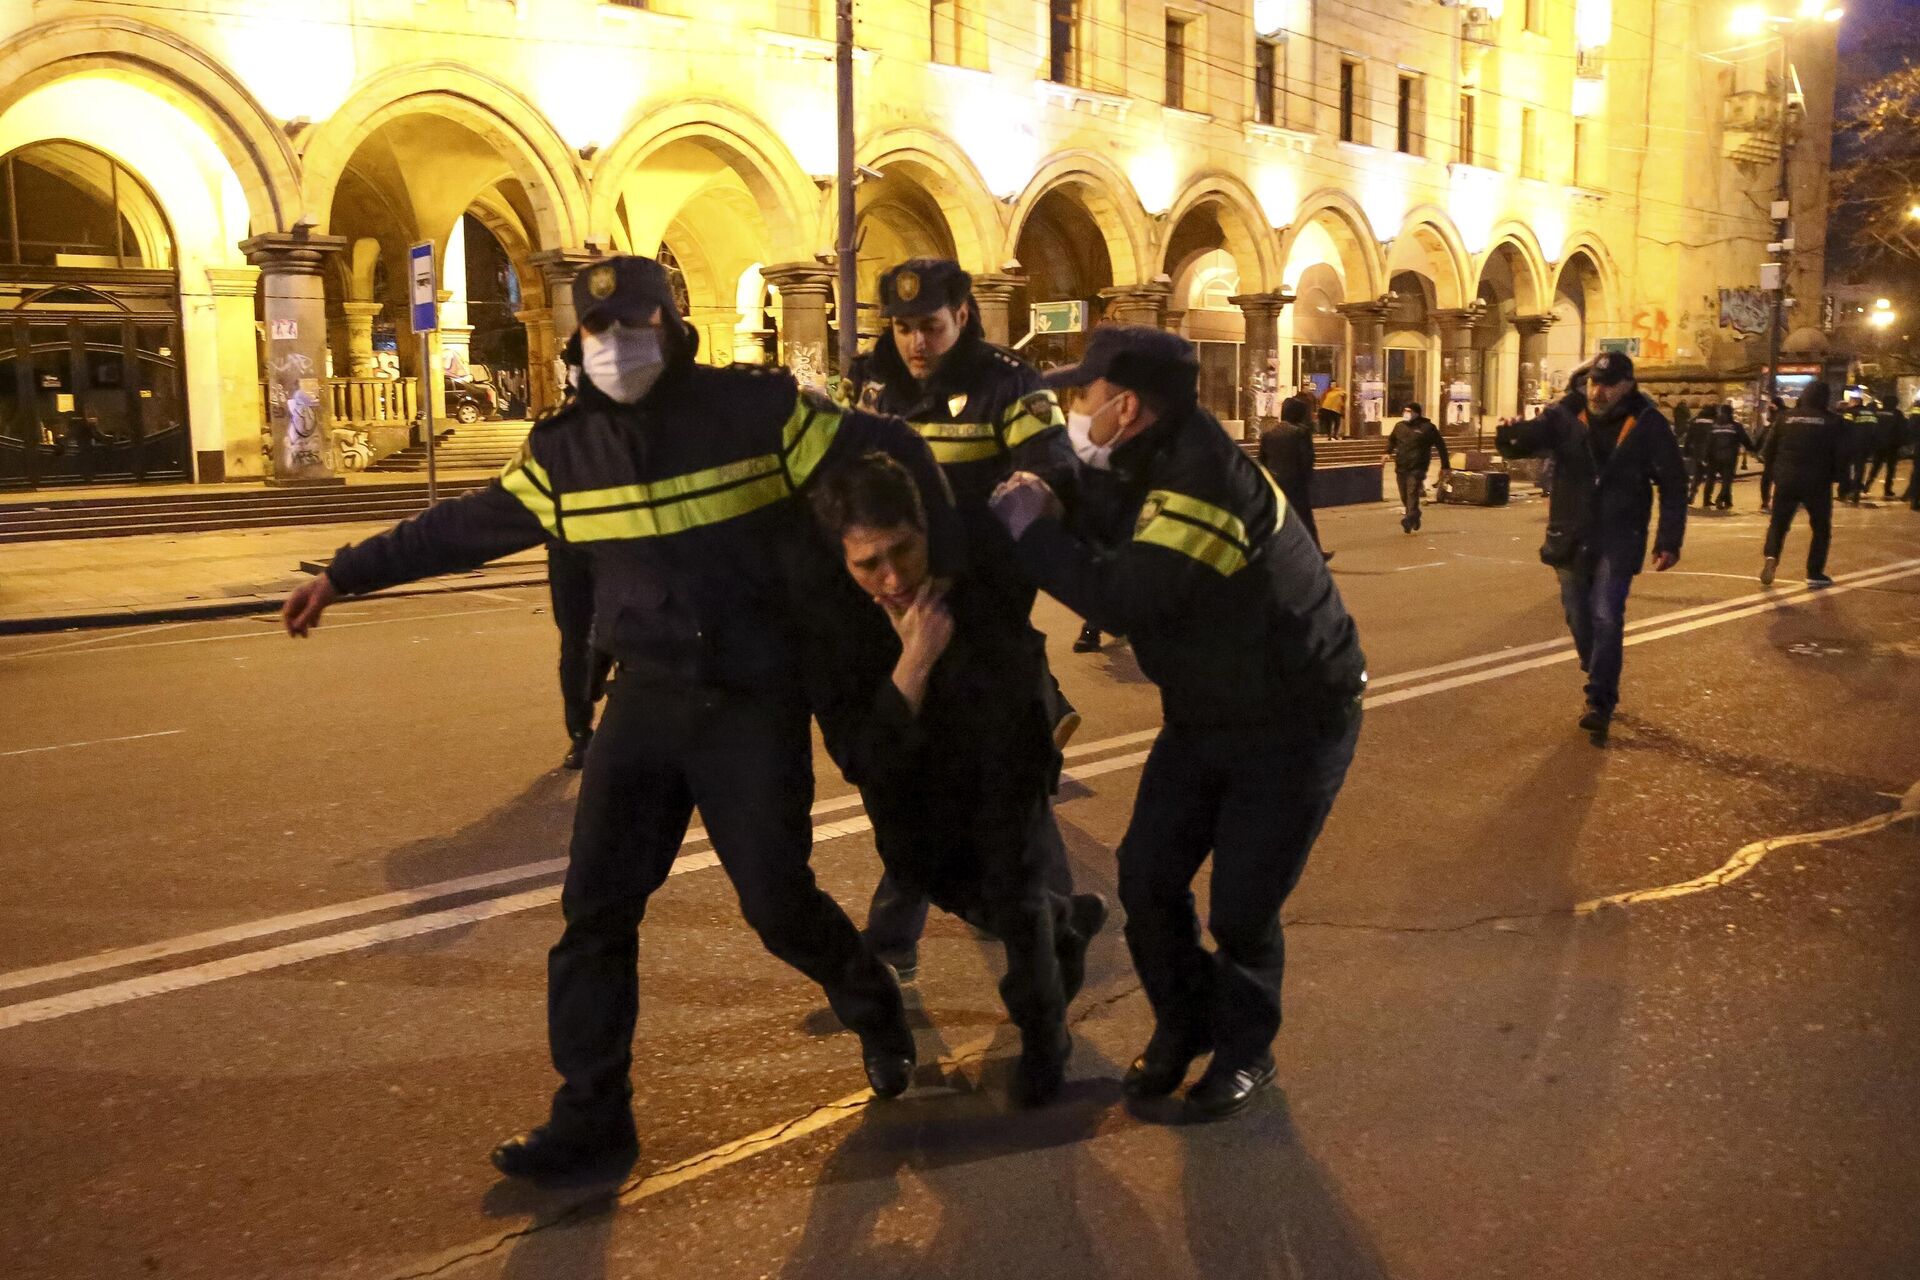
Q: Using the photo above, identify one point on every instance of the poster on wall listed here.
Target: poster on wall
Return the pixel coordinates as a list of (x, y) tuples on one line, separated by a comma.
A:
[(1744, 310)]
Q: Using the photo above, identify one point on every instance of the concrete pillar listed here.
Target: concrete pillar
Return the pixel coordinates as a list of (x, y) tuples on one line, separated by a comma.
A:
[(1259, 379), (299, 412), (805, 289), (360, 317), (558, 267), (542, 391), (1459, 360), (1138, 303), (1366, 341), (235, 454), (1533, 358), (993, 294)]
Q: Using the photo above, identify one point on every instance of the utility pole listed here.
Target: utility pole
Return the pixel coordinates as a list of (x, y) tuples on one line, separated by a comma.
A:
[(845, 249), (1781, 226)]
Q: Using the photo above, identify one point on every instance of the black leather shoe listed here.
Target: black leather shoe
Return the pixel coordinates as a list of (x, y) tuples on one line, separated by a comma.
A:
[(905, 964), (1160, 1068), (1595, 720), (1224, 1090), (1088, 641), (1085, 917), (577, 753), (889, 1065), (1039, 1077), (542, 1155)]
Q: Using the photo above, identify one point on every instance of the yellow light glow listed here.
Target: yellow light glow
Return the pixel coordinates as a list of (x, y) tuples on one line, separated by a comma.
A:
[(1834, 15), (1593, 23), (1811, 9), (1383, 196), (1748, 20), (1153, 178), (1588, 97), (588, 92), (1474, 205), (1914, 211), (294, 67), (993, 123), (1549, 224), (1277, 188), (1880, 319)]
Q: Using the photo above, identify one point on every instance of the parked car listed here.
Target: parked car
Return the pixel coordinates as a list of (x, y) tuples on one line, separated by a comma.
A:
[(469, 400)]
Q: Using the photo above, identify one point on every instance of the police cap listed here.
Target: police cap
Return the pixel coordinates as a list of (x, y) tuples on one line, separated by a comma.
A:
[(921, 286), (627, 287), (1610, 367), (1137, 357)]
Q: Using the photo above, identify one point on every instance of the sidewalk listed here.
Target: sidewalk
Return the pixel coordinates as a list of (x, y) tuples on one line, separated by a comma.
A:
[(105, 493), (117, 582)]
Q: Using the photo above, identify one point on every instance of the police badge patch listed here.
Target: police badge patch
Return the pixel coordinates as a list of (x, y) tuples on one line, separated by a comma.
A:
[(906, 286), (601, 282), (1149, 511)]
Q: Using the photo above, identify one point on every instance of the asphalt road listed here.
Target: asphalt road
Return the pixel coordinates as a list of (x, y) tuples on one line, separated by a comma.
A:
[(273, 934)]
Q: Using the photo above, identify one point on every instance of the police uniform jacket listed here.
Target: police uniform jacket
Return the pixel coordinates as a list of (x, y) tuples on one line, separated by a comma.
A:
[(985, 415), (682, 500), (1412, 442), (1725, 442), (1604, 475), (1196, 559), (1809, 452)]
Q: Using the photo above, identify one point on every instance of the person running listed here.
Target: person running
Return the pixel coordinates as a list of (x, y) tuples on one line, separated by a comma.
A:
[(1810, 452), (1411, 444)]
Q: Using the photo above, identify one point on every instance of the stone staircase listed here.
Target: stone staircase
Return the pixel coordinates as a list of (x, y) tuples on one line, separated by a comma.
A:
[(478, 446), (41, 519)]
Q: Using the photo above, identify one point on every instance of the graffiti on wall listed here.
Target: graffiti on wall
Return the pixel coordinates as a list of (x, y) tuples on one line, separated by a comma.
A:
[(1655, 332), (1744, 310)]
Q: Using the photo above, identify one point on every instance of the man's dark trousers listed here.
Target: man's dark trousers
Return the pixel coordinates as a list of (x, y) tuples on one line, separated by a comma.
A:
[(1256, 798), (1888, 457), (897, 917), (1593, 594), (1819, 505), (1412, 484), (583, 669), (746, 761)]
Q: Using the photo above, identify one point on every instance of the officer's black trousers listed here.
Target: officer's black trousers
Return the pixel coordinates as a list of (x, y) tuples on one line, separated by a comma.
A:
[(1256, 800), (583, 669), (1788, 499), (1888, 458), (897, 915), (746, 761)]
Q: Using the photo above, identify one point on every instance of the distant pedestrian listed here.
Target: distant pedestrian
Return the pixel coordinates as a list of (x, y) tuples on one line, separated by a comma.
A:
[(1696, 444), (1776, 413), (1333, 409), (1286, 451), (1889, 433), (1611, 449), (1810, 453), (1857, 428), (1725, 439), (1411, 444)]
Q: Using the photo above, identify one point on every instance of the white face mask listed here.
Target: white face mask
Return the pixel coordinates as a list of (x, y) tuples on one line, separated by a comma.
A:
[(1080, 435), (623, 362)]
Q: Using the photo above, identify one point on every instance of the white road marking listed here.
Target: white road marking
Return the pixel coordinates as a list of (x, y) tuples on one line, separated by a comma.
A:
[(99, 639), (1751, 855), (274, 634), (1431, 564), (92, 742), (374, 935)]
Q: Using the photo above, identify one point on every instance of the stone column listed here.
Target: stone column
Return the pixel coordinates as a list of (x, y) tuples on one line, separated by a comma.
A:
[(1259, 380), (299, 412), (1533, 358), (993, 294), (1459, 360), (805, 290), (1138, 303), (542, 391), (1366, 333), (360, 318), (237, 453), (558, 267)]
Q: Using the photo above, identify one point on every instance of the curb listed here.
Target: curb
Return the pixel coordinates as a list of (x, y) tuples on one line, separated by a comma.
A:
[(191, 610)]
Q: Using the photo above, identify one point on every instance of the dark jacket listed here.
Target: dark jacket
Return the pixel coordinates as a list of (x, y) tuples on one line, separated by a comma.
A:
[(985, 414), (1809, 452), (1603, 484), (1725, 440), (683, 500), (1221, 590), (1889, 432), (952, 790), (1697, 443), (1413, 442), (1286, 451)]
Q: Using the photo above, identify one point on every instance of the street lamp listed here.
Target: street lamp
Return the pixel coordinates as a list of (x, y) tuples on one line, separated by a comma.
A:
[(1882, 317)]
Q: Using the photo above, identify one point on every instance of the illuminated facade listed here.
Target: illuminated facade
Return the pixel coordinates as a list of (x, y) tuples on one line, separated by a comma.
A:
[(208, 212)]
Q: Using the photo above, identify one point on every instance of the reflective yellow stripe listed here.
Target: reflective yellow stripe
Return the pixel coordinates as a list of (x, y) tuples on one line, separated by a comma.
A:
[(678, 516), (1279, 498), (1024, 423), (672, 487), (528, 482), (807, 436), (1204, 545), (1220, 520), (947, 452), (931, 431)]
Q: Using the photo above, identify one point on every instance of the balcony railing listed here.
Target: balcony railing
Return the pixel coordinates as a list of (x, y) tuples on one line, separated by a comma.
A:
[(1590, 64), (1750, 126), (374, 402)]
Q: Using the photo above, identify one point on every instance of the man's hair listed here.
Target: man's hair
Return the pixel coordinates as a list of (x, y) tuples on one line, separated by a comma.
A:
[(1816, 398), (1295, 409), (871, 492), (1414, 409)]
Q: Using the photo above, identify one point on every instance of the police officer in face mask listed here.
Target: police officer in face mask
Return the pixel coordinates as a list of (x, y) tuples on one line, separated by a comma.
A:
[(984, 412), (682, 482)]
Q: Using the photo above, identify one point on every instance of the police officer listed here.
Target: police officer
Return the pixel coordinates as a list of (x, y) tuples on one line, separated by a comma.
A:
[(1725, 439), (983, 412), (679, 479), (1232, 613), (1809, 453), (1889, 433)]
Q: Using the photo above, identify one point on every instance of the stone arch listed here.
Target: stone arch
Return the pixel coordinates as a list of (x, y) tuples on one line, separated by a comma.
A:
[(1362, 265), (1606, 275), (950, 180), (1430, 246), (1094, 185), (177, 72), (523, 138), (782, 193), (1248, 237), (1530, 271)]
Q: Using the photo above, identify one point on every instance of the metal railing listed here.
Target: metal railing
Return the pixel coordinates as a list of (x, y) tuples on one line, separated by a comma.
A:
[(374, 402)]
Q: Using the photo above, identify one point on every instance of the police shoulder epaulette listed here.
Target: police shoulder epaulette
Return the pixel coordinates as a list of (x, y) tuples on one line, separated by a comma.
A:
[(818, 400), (553, 413)]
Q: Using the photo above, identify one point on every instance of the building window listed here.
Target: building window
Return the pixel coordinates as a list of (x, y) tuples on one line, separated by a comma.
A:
[(1579, 153), (1062, 56), (957, 38), (1406, 129), (1269, 82), (1467, 152), (1537, 16), (1176, 62), (1350, 102), (800, 17), (1529, 142)]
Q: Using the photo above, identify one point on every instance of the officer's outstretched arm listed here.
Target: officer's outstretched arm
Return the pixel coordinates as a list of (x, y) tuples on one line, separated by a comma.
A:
[(1143, 584), (1035, 431), (511, 514), (820, 435)]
